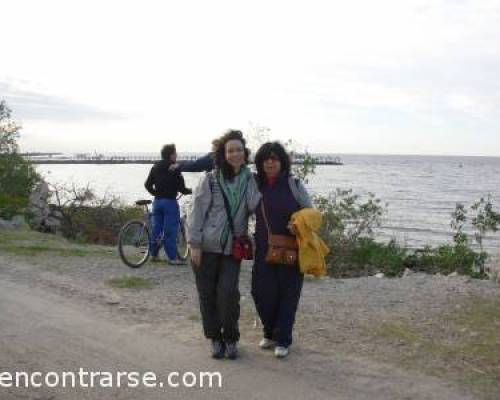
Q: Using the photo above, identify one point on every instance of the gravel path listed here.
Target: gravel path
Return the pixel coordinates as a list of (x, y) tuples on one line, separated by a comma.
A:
[(336, 318)]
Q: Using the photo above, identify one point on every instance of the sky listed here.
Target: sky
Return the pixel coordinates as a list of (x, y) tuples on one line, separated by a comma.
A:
[(381, 77)]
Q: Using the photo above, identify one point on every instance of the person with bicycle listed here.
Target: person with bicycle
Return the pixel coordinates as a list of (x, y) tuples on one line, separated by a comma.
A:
[(164, 184), (221, 207)]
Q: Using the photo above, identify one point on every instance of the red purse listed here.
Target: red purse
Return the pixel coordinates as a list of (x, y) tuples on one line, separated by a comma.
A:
[(242, 248)]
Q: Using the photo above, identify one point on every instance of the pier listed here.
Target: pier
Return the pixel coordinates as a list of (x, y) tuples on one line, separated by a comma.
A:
[(105, 159)]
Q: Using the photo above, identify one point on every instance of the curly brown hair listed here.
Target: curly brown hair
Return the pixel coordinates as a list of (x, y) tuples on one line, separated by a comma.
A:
[(220, 152)]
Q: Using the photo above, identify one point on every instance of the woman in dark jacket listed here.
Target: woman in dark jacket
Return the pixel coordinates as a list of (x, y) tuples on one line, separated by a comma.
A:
[(164, 184), (276, 287)]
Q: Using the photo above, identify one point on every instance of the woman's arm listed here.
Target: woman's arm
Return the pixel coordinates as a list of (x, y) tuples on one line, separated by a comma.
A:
[(253, 194), (205, 163), (303, 196)]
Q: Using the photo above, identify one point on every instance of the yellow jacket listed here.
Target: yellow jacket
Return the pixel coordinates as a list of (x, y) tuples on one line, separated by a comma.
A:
[(312, 249)]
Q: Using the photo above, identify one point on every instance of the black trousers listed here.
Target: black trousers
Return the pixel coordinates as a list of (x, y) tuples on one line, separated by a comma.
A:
[(276, 292), (217, 281)]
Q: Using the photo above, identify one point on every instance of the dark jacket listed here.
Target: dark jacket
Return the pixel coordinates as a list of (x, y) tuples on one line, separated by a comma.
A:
[(280, 200), (163, 183)]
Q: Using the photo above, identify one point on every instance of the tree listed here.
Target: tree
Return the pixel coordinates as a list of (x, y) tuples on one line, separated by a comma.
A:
[(17, 176)]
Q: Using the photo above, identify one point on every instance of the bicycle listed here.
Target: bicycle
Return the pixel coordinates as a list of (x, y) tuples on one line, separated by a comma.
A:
[(135, 238)]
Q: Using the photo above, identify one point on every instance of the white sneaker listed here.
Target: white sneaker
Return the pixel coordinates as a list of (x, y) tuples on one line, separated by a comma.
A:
[(280, 351), (176, 262), (266, 344)]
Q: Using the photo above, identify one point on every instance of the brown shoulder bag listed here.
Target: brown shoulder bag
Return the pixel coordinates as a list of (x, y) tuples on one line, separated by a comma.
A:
[(282, 249)]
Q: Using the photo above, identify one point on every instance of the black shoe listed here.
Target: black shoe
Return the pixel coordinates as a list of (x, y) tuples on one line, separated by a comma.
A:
[(218, 349), (232, 351)]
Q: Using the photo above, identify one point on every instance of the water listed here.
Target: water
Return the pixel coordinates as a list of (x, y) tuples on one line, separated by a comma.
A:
[(421, 191)]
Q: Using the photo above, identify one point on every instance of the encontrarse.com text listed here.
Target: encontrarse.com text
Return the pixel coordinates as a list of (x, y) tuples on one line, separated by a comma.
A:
[(100, 379)]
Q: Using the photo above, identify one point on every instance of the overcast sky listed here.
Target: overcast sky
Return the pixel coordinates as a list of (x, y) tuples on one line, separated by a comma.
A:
[(390, 77)]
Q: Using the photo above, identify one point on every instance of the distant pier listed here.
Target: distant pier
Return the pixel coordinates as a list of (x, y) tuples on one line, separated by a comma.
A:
[(104, 159)]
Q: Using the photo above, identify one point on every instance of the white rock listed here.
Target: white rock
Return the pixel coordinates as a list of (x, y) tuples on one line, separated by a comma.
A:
[(453, 274), (379, 275), (407, 272)]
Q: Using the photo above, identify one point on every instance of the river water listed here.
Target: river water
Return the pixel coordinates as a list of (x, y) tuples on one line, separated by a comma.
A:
[(420, 191)]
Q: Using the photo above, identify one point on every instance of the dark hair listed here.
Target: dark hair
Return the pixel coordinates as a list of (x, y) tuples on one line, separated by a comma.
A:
[(219, 146), (167, 151), (264, 152)]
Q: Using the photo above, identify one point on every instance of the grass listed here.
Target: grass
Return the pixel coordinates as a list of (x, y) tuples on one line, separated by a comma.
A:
[(32, 250), (130, 282), (24, 242), (464, 344)]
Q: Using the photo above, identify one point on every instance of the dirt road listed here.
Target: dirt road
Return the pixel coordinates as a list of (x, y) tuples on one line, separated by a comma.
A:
[(42, 331)]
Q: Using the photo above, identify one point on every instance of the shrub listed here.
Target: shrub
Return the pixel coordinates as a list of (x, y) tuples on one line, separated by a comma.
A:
[(87, 218), (348, 223), (17, 176)]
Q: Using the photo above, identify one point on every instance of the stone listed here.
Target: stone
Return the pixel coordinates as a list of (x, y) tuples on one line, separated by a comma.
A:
[(407, 272)]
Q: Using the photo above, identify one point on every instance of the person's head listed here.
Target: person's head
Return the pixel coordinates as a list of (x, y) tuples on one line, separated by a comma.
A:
[(231, 153), (169, 153), (272, 160)]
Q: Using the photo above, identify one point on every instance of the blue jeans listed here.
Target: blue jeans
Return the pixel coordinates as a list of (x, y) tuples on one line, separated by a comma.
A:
[(166, 217)]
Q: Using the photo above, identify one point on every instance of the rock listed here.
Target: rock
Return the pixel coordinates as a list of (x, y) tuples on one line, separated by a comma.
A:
[(16, 222), (379, 275), (44, 216), (407, 272), (453, 274), (112, 300), (4, 224)]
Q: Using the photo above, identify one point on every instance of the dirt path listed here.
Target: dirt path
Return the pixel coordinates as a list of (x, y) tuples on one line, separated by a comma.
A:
[(40, 332), (59, 313)]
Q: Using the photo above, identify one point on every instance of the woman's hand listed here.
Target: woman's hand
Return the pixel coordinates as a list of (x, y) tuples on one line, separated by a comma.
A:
[(196, 256), (291, 228)]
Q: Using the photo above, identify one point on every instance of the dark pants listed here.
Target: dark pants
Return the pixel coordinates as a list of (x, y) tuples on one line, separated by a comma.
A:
[(276, 292), (217, 281)]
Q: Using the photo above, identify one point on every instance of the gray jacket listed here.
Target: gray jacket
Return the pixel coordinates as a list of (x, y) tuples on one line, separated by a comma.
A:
[(208, 216), (299, 192)]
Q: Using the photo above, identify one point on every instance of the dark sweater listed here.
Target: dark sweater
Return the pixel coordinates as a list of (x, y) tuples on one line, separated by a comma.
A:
[(280, 204), (163, 183)]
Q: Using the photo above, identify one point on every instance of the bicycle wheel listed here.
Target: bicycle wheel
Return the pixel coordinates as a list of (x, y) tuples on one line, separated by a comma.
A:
[(133, 243), (181, 241)]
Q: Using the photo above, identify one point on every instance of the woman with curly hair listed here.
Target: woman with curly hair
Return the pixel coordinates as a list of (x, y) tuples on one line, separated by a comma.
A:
[(230, 188)]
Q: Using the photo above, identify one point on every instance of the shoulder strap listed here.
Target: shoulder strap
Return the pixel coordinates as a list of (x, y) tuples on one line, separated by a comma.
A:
[(263, 209)]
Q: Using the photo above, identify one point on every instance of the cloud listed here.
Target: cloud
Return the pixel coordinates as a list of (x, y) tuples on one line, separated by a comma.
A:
[(29, 105)]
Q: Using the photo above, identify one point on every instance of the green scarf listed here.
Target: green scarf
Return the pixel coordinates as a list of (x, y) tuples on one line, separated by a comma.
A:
[(234, 194)]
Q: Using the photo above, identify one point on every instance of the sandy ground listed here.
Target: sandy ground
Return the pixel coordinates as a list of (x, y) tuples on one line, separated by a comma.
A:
[(58, 313)]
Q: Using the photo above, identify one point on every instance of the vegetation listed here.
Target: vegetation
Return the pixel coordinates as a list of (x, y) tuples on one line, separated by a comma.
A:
[(130, 282), (87, 218), (29, 243), (17, 176), (463, 343), (349, 221)]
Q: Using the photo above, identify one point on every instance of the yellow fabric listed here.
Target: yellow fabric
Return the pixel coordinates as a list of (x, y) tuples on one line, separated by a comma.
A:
[(312, 249)]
